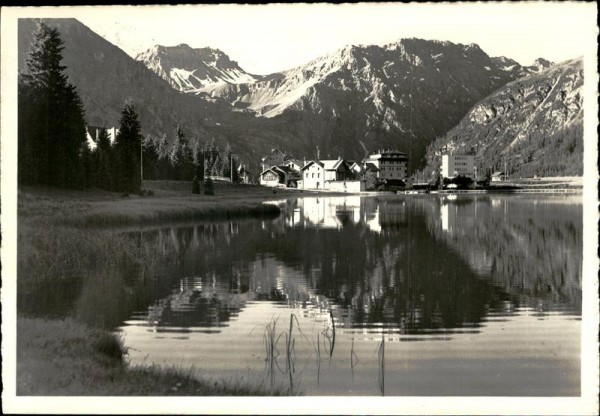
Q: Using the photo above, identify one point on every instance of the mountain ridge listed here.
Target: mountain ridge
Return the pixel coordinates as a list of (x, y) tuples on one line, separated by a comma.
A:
[(534, 124), (194, 70), (402, 95)]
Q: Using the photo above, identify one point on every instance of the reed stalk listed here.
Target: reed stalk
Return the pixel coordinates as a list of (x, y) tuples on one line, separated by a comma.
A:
[(381, 361)]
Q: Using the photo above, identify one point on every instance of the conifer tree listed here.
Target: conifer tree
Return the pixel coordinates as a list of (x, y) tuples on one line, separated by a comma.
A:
[(127, 152), (103, 156), (51, 127)]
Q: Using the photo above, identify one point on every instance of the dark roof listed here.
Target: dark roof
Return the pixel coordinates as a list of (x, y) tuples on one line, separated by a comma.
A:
[(310, 162), (371, 167), (269, 169), (273, 151), (296, 161), (285, 169)]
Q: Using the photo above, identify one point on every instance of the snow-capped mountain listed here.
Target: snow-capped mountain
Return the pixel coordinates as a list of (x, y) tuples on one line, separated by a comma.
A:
[(106, 78), (534, 124), (402, 95), (358, 99), (194, 70)]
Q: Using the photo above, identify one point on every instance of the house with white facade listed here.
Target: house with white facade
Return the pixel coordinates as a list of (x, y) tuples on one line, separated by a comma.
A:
[(269, 177), (313, 175), (337, 170), (279, 176), (455, 165), (334, 175), (392, 164), (498, 176)]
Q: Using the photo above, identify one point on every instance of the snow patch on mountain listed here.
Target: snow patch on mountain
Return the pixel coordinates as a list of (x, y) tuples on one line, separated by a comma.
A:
[(201, 70)]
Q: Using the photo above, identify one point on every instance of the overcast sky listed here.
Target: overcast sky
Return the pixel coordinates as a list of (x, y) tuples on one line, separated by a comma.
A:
[(270, 38)]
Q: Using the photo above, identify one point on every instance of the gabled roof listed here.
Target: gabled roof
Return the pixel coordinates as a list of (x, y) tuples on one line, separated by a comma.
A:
[(332, 164), (371, 167), (310, 162), (284, 169), (274, 151), (269, 169), (296, 161), (500, 173), (354, 165)]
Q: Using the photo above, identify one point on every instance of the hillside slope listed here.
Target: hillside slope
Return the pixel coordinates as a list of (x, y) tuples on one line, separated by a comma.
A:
[(106, 78), (533, 126)]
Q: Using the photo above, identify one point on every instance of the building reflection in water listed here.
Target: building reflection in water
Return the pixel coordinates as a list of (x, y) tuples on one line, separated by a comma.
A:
[(414, 265)]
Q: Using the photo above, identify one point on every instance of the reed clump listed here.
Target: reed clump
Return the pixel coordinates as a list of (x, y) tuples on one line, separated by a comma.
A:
[(66, 358)]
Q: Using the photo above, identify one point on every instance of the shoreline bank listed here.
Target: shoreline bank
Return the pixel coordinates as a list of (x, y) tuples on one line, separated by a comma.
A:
[(66, 358)]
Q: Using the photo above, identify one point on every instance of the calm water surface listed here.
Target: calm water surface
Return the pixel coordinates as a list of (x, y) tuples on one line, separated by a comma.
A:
[(398, 295), (403, 295)]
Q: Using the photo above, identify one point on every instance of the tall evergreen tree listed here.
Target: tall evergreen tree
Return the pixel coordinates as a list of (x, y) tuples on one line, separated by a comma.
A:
[(103, 156), (51, 126), (184, 163), (127, 152)]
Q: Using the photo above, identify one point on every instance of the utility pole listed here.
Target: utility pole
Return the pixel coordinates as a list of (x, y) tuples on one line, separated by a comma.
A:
[(141, 162)]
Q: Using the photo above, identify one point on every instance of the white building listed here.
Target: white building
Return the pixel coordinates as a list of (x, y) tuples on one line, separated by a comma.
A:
[(329, 174), (92, 134), (313, 175), (392, 164), (454, 165)]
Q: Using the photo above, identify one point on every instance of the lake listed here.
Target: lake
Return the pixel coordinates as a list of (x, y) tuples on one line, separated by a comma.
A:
[(420, 295)]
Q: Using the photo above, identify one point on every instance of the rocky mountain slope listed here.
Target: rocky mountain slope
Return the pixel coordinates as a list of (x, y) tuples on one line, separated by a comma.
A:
[(359, 98), (194, 70), (512, 66), (534, 124)]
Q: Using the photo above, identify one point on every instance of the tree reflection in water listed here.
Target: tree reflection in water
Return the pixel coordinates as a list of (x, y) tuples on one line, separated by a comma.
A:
[(417, 264)]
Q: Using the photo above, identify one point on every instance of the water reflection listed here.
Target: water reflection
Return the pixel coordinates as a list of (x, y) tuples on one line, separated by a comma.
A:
[(416, 265)]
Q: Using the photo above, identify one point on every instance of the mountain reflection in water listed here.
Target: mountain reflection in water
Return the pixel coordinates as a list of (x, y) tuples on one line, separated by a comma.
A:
[(421, 265), (467, 295)]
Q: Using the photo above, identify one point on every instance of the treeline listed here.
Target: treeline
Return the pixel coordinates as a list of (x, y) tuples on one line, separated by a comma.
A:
[(54, 150), (51, 128), (183, 159)]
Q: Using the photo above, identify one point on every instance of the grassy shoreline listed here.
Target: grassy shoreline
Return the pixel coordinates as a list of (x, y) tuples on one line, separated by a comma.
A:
[(61, 241), (102, 208), (59, 356), (66, 358)]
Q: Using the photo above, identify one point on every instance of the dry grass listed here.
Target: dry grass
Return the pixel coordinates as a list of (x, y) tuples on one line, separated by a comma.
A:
[(101, 208), (65, 358), (58, 248)]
